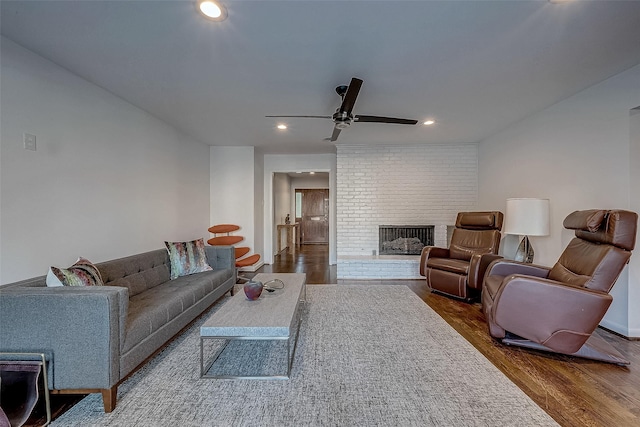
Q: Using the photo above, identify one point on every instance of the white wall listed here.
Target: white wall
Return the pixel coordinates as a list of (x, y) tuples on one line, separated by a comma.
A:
[(233, 196), (258, 207), (297, 163), (576, 153), (107, 179), (281, 204)]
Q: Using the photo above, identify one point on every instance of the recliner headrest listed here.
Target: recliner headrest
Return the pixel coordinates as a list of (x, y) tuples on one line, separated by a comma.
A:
[(587, 220), (479, 220), (613, 227)]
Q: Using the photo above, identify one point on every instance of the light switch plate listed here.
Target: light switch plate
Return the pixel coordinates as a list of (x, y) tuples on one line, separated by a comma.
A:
[(29, 142)]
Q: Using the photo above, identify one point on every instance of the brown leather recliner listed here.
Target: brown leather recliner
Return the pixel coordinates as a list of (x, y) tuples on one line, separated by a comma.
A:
[(458, 271), (557, 309)]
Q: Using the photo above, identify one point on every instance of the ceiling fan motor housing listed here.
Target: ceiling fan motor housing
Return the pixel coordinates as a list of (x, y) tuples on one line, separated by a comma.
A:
[(341, 90), (342, 119)]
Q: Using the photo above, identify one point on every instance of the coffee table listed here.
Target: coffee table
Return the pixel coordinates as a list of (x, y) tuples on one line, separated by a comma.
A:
[(275, 316)]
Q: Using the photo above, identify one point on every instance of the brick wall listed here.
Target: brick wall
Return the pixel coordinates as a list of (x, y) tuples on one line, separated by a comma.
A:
[(399, 185)]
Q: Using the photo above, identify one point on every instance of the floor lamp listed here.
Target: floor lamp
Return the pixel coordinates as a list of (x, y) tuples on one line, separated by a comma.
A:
[(526, 217)]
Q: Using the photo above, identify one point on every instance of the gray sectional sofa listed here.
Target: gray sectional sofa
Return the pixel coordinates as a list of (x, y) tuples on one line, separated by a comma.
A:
[(94, 337)]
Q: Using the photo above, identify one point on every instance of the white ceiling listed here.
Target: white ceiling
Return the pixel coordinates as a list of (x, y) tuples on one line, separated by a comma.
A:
[(474, 66)]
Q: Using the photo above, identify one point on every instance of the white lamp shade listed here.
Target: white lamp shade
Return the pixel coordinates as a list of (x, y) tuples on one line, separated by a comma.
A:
[(527, 217)]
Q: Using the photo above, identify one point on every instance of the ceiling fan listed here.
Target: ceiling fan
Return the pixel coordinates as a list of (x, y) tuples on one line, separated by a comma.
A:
[(343, 117)]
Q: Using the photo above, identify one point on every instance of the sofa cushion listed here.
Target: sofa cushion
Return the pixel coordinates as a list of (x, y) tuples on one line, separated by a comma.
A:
[(187, 258), (137, 272), (82, 273), (152, 309)]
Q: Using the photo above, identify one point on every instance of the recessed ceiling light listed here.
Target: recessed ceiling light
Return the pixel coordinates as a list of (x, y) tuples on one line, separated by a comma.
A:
[(212, 10), (282, 126), (429, 122)]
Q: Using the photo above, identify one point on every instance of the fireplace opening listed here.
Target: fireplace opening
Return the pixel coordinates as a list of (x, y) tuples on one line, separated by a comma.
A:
[(404, 239)]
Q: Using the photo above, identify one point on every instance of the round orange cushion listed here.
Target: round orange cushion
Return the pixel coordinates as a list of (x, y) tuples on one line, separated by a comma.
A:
[(225, 240), (250, 260), (223, 228)]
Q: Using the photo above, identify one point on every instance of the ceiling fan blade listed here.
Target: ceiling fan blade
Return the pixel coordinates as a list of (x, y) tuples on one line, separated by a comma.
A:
[(336, 132), (378, 119), (308, 117), (350, 97)]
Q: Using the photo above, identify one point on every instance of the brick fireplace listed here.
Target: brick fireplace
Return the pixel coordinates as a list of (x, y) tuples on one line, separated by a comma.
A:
[(404, 239), (406, 185)]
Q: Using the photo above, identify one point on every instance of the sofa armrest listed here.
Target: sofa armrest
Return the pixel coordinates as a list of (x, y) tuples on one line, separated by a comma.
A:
[(221, 257), (431, 252), (551, 313), (80, 327)]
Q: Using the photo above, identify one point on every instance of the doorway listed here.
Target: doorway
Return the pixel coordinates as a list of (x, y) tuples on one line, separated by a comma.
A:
[(312, 212), (283, 190)]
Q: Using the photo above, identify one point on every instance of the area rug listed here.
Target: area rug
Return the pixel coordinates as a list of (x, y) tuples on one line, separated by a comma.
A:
[(368, 355)]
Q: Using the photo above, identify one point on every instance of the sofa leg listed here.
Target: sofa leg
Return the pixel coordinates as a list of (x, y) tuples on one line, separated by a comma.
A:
[(233, 291), (109, 397)]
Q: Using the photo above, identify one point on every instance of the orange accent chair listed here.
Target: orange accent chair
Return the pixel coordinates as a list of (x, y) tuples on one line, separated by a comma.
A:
[(226, 239)]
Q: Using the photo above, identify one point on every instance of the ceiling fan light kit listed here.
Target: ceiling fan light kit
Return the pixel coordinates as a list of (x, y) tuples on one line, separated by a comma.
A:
[(343, 116)]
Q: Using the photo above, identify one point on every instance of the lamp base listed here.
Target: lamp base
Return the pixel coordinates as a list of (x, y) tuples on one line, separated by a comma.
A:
[(525, 251)]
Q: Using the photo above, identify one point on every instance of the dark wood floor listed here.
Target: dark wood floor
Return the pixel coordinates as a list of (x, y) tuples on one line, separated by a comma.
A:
[(575, 392)]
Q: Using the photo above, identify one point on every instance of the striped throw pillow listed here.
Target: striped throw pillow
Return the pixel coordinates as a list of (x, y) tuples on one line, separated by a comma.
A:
[(82, 273)]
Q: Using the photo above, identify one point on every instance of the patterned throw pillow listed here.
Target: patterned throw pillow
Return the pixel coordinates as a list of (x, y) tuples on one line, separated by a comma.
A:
[(82, 273), (187, 258)]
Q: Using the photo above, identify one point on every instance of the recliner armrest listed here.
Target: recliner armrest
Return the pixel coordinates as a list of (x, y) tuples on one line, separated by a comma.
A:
[(478, 268), (503, 267), (551, 313), (431, 252)]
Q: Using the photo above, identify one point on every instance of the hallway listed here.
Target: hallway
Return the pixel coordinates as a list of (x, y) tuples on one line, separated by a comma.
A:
[(310, 259)]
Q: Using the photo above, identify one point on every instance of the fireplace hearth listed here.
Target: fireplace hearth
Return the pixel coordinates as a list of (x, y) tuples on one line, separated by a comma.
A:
[(404, 239)]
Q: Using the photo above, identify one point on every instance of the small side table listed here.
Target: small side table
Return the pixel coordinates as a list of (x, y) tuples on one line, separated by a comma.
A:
[(293, 235)]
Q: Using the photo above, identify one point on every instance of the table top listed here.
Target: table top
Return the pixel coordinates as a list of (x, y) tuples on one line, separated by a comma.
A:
[(271, 315)]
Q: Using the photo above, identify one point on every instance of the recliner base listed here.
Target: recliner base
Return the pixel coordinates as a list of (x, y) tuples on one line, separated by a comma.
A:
[(449, 284), (468, 298), (594, 348)]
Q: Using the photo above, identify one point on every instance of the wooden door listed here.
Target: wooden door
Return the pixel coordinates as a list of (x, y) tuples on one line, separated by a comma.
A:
[(315, 216)]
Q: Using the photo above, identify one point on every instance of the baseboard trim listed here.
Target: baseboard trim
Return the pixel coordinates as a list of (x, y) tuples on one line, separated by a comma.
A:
[(621, 330)]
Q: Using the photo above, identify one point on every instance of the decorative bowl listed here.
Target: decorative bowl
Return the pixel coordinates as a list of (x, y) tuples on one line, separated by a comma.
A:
[(253, 289)]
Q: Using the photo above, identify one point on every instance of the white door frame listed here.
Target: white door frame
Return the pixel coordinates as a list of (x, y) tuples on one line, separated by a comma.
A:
[(297, 163)]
